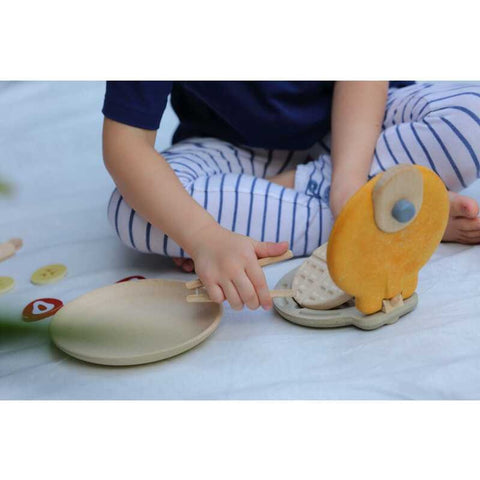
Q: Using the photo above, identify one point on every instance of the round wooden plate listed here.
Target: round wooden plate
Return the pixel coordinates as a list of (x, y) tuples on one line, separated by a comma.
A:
[(132, 323)]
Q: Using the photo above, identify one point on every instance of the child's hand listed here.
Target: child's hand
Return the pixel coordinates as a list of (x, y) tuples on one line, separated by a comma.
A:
[(227, 265)]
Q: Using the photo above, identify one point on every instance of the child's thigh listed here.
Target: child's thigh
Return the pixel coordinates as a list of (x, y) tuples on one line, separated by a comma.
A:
[(199, 157), (415, 102), (195, 157)]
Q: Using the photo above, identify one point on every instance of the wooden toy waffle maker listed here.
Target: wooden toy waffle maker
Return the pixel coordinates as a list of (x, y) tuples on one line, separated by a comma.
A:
[(367, 273)]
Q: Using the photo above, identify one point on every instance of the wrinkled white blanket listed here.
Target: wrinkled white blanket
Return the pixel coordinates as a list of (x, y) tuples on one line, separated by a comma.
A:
[(50, 149)]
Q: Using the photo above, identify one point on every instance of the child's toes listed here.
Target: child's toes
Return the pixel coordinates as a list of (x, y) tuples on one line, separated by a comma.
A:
[(470, 238), (178, 261), (469, 230), (463, 206), (188, 265), (462, 230), (470, 207), (468, 224)]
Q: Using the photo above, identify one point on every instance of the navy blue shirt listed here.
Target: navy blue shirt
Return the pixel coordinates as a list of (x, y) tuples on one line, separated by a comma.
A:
[(280, 115)]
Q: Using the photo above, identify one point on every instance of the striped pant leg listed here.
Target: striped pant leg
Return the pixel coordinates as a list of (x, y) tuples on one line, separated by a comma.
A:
[(229, 182), (249, 204), (194, 166), (258, 162), (436, 125)]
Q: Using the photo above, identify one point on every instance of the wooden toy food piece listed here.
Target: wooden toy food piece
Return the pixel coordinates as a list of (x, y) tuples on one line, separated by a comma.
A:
[(379, 261), (8, 249), (131, 323), (49, 274), (6, 284), (313, 286), (41, 308)]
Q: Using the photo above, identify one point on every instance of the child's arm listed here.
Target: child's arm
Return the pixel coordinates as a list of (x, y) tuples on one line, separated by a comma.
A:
[(357, 114), (225, 262)]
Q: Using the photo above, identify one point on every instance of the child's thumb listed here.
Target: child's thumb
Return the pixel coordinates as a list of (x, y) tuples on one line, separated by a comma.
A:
[(270, 249)]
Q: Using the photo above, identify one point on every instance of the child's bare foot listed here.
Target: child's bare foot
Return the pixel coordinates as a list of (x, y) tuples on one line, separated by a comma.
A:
[(464, 223), (186, 264)]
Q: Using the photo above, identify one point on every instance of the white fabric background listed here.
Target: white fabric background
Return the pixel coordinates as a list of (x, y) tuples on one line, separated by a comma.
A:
[(50, 149)]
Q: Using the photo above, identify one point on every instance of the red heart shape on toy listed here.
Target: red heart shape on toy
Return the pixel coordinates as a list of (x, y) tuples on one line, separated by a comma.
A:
[(133, 277), (41, 308)]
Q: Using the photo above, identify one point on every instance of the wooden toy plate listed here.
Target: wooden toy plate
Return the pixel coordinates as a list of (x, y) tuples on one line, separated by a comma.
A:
[(131, 323), (342, 316)]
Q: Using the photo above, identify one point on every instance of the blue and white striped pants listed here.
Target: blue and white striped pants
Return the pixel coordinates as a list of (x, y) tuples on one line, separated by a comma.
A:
[(432, 124)]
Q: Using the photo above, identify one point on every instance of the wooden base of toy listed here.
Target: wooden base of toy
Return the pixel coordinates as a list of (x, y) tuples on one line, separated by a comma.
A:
[(342, 316), (131, 323)]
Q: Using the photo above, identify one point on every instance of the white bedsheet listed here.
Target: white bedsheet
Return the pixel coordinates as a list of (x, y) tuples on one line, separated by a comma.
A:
[(50, 148)]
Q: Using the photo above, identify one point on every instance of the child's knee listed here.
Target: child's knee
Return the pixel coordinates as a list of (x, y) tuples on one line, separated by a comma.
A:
[(118, 212), (455, 122), (113, 207), (187, 169), (457, 107)]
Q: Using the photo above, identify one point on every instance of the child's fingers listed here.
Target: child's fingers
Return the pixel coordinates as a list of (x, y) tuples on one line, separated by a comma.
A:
[(270, 249), (247, 291), (215, 293), (257, 277), (232, 295)]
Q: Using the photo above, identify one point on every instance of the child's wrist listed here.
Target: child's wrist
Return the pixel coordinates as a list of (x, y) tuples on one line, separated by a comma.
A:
[(346, 186), (199, 234), (340, 193), (350, 169)]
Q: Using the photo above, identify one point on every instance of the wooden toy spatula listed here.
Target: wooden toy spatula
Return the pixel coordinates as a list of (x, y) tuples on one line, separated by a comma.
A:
[(263, 262)]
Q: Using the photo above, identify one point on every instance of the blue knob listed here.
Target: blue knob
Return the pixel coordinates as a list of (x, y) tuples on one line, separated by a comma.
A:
[(403, 211)]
